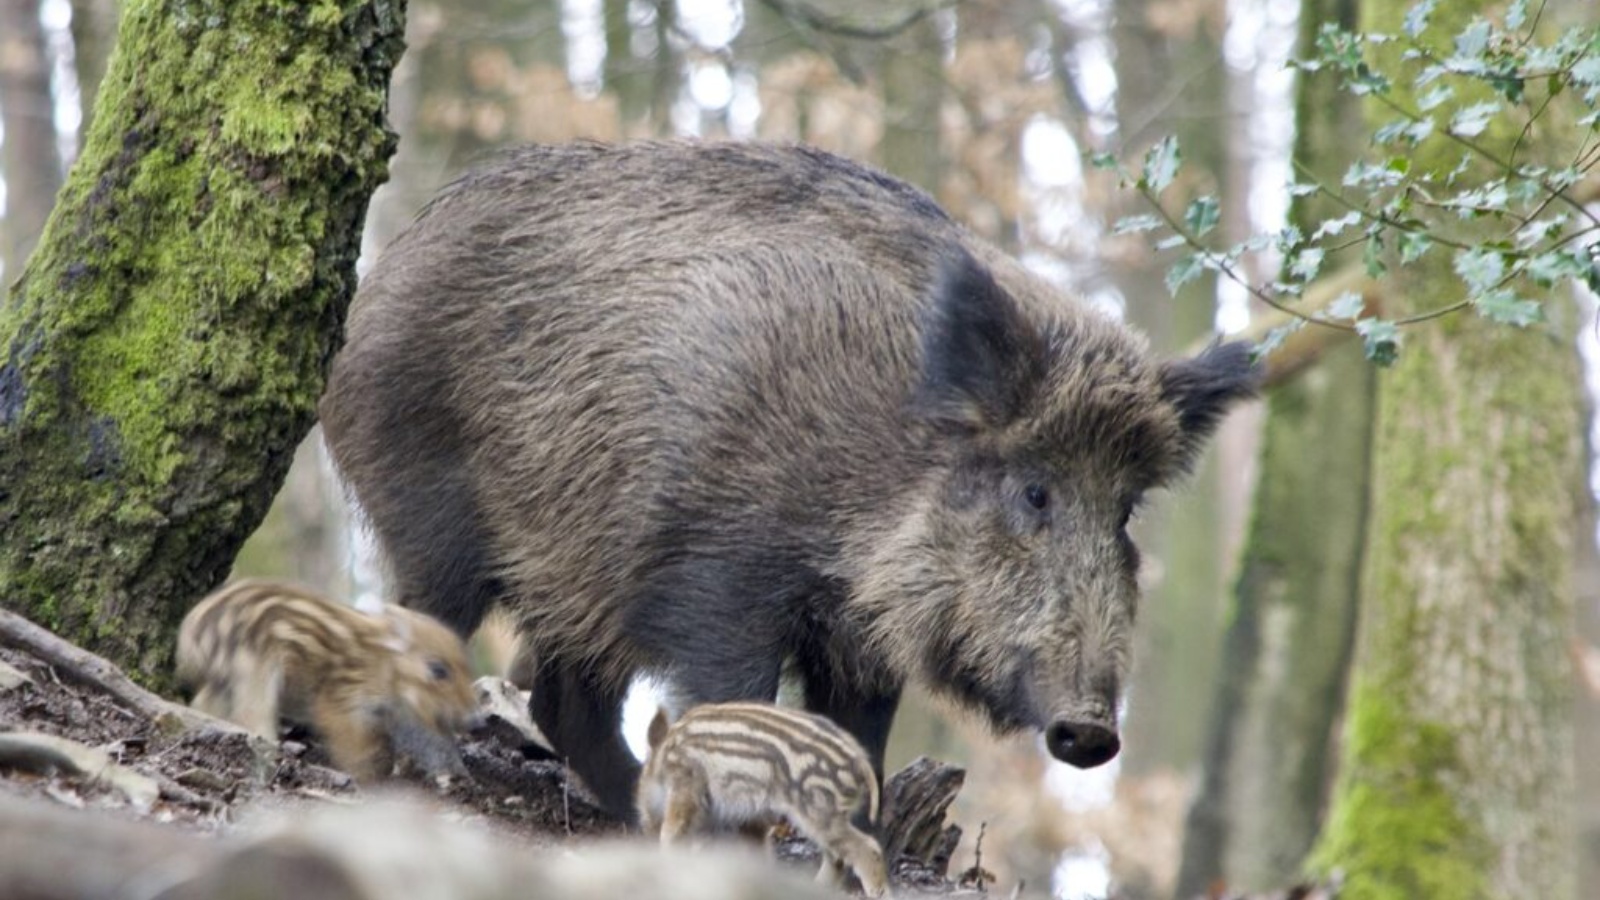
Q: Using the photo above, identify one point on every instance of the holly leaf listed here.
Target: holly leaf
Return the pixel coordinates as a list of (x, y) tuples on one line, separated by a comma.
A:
[(1380, 339), (1161, 164), (1480, 268), (1202, 215), (1505, 307), (1348, 305), (1136, 224), (1185, 270)]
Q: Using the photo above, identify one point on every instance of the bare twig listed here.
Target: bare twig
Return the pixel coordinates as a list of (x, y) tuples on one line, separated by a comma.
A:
[(99, 673)]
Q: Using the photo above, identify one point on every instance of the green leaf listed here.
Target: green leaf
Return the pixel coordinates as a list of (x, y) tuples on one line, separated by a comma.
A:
[(1540, 230), (1412, 245), (1182, 272), (1170, 241), (1389, 131), (1348, 305), (1480, 268), (1435, 97), (1274, 339), (1135, 224), (1103, 160), (1380, 339), (1419, 131), (1202, 215), (1416, 20), (1362, 172), (1161, 165), (1505, 307), (1517, 15), (1473, 40), (1586, 71), (1332, 227), (1302, 190), (1306, 263), (1472, 121), (1373, 255), (1548, 268)]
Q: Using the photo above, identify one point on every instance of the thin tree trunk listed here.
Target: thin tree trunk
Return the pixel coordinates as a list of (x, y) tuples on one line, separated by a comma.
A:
[(94, 31), (1177, 645), (304, 535), (165, 347), (31, 157), (1287, 646), (913, 84)]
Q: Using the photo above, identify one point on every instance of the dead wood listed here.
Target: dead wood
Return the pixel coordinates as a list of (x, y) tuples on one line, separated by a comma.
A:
[(90, 670), (915, 801)]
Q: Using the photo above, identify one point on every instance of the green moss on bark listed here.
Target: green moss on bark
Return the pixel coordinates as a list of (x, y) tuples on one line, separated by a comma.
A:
[(165, 346), (1400, 831)]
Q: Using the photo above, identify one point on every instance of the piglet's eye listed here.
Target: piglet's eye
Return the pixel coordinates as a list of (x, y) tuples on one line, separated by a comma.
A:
[(437, 670), (1037, 496)]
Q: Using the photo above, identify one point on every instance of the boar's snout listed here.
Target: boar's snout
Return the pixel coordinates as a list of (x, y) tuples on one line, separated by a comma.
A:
[(1082, 744)]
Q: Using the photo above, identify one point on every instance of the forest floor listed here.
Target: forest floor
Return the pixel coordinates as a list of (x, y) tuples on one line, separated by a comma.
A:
[(122, 764), (102, 780)]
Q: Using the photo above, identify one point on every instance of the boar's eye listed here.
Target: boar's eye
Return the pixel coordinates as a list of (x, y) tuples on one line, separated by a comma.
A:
[(437, 670), (1037, 496)]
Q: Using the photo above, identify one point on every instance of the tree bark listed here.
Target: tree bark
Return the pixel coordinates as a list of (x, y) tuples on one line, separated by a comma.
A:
[(1457, 774), (1267, 763), (31, 157), (165, 347)]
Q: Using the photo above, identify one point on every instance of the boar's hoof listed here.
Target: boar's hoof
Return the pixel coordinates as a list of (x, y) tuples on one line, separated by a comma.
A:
[(1082, 744)]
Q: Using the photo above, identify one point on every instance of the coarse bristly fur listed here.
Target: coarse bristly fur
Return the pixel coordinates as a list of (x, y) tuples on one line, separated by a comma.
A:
[(374, 687), (708, 410), (729, 765)]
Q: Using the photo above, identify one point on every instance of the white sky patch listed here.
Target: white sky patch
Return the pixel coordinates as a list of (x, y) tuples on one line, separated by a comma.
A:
[(711, 24), (1084, 874), (583, 25), (56, 17), (1233, 306), (1089, 60), (710, 85), (744, 110), (1050, 154)]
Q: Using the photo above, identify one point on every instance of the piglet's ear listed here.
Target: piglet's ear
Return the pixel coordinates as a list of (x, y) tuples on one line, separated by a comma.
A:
[(981, 358), (1205, 387)]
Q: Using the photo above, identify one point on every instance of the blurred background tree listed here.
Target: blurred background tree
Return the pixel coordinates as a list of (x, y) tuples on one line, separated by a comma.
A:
[(1233, 723)]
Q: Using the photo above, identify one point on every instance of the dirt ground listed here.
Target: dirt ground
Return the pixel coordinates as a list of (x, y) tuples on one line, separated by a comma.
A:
[(207, 780)]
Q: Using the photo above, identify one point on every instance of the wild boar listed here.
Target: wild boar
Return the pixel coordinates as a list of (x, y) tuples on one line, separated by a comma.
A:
[(729, 765), (700, 410), (375, 688)]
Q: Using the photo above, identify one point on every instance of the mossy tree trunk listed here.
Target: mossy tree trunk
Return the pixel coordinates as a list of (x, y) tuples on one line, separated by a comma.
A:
[(1457, 775), (166, 344), (1287, 646)]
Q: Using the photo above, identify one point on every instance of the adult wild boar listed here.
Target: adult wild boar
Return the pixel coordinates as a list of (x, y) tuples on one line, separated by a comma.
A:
[(704, 409)]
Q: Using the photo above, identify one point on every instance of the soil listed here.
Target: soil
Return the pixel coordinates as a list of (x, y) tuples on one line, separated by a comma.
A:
[(211, 778)]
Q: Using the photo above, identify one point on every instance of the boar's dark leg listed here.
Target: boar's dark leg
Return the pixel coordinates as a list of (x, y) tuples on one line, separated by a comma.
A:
[(583, 719), (866, 714)]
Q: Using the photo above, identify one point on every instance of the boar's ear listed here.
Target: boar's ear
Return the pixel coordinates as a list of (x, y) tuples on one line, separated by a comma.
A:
[(1205, 387), (981, 358)]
